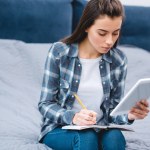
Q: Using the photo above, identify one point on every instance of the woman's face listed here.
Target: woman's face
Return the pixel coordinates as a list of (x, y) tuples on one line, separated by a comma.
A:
[(103, 34)]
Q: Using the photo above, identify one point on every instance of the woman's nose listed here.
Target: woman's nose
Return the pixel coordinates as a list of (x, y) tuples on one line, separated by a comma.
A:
[(109, 40)]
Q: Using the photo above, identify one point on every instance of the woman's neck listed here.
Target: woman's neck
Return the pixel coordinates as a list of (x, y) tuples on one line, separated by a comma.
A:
[(87, 51)]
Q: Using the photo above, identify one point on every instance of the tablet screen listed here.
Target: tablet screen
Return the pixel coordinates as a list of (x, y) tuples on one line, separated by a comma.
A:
[(141, 90)]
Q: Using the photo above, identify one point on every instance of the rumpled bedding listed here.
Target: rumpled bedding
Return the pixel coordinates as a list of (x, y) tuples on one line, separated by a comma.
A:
[(21, 72), (138, 67), (21, 68)]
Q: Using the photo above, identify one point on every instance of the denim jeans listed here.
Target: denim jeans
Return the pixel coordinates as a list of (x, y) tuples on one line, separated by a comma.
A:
[(60, 139)]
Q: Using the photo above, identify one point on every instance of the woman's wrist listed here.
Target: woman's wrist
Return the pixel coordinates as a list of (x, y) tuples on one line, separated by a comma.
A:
[(130, 118)]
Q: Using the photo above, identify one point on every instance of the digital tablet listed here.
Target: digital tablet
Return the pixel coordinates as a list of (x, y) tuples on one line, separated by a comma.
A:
[(141, 90)]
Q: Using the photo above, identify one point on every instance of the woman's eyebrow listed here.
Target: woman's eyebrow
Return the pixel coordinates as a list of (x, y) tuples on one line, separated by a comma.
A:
[(108, 31), (117, 30)]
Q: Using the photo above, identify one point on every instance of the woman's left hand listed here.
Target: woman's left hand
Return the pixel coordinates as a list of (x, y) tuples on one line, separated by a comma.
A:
[(140, 111)]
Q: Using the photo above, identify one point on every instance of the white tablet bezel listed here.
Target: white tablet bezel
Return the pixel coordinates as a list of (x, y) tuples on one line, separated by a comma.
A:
[(132, 97)]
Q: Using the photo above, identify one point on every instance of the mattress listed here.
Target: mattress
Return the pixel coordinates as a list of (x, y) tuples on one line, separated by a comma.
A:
[(21, 73)]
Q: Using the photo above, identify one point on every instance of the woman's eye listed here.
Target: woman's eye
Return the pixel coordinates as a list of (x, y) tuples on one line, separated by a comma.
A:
[(102, 34), (115, 34)]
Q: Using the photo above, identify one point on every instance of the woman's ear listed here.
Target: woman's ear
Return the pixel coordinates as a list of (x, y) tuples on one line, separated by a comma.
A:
[(87, 30)]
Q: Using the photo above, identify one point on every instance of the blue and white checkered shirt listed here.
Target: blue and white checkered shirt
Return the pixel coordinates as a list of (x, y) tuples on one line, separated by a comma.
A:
[(62, 78)]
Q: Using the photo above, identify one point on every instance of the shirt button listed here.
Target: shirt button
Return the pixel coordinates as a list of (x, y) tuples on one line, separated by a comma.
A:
[(69, 107)]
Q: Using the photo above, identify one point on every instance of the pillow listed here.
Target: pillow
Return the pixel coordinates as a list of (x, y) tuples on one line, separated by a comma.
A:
[(136, 31), (35, 21)]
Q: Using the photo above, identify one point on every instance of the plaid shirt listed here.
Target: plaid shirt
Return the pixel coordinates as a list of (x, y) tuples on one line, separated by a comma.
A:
[(62, 77)]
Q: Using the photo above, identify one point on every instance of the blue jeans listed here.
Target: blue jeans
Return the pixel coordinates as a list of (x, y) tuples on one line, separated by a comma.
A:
[(60, 139)]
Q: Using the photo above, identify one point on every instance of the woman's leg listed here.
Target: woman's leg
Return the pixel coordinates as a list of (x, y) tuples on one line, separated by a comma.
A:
[(112, 139), (60, 139)]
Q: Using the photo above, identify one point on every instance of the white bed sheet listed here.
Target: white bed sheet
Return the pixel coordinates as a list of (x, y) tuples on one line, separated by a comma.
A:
[(138, 67), (21, 67)]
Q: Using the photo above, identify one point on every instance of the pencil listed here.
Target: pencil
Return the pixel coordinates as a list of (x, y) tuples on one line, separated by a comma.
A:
[(80, 102)]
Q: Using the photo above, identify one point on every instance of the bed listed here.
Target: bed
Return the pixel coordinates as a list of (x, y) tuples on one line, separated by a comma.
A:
[(22, 59)]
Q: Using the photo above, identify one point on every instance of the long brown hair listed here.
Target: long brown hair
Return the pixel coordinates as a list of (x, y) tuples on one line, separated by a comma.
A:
[(93, 9)]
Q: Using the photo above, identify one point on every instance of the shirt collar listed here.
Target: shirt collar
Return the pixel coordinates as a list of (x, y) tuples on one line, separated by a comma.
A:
[(107, 57), (73, 52)]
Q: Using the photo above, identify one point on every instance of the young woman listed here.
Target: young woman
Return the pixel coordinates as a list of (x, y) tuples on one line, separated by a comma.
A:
[(89, 64)]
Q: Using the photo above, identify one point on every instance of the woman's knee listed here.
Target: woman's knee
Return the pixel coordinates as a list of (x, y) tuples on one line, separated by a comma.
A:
[(77, 140), (89, 134), (113, 139), (87, 139)]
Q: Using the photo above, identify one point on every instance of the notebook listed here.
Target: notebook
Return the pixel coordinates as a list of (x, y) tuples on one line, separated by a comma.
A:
[(112, 126)]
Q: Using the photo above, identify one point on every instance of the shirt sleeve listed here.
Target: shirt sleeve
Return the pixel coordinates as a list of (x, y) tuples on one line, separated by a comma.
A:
[(49, 105), (117, 93)]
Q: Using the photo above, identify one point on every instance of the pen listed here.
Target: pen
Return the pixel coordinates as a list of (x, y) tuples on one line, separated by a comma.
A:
[(82, 105), (80, 102)]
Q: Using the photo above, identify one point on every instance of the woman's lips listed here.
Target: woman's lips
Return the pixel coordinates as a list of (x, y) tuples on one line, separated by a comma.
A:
[(106, 48)]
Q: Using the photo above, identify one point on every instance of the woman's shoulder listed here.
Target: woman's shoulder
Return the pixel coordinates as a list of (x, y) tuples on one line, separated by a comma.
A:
[(59, 49)]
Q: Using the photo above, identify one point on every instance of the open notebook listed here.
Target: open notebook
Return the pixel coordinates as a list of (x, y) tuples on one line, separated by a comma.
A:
[(75, 127)]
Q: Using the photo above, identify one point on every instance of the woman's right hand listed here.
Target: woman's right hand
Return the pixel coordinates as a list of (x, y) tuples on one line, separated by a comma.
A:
[(85, 117)]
